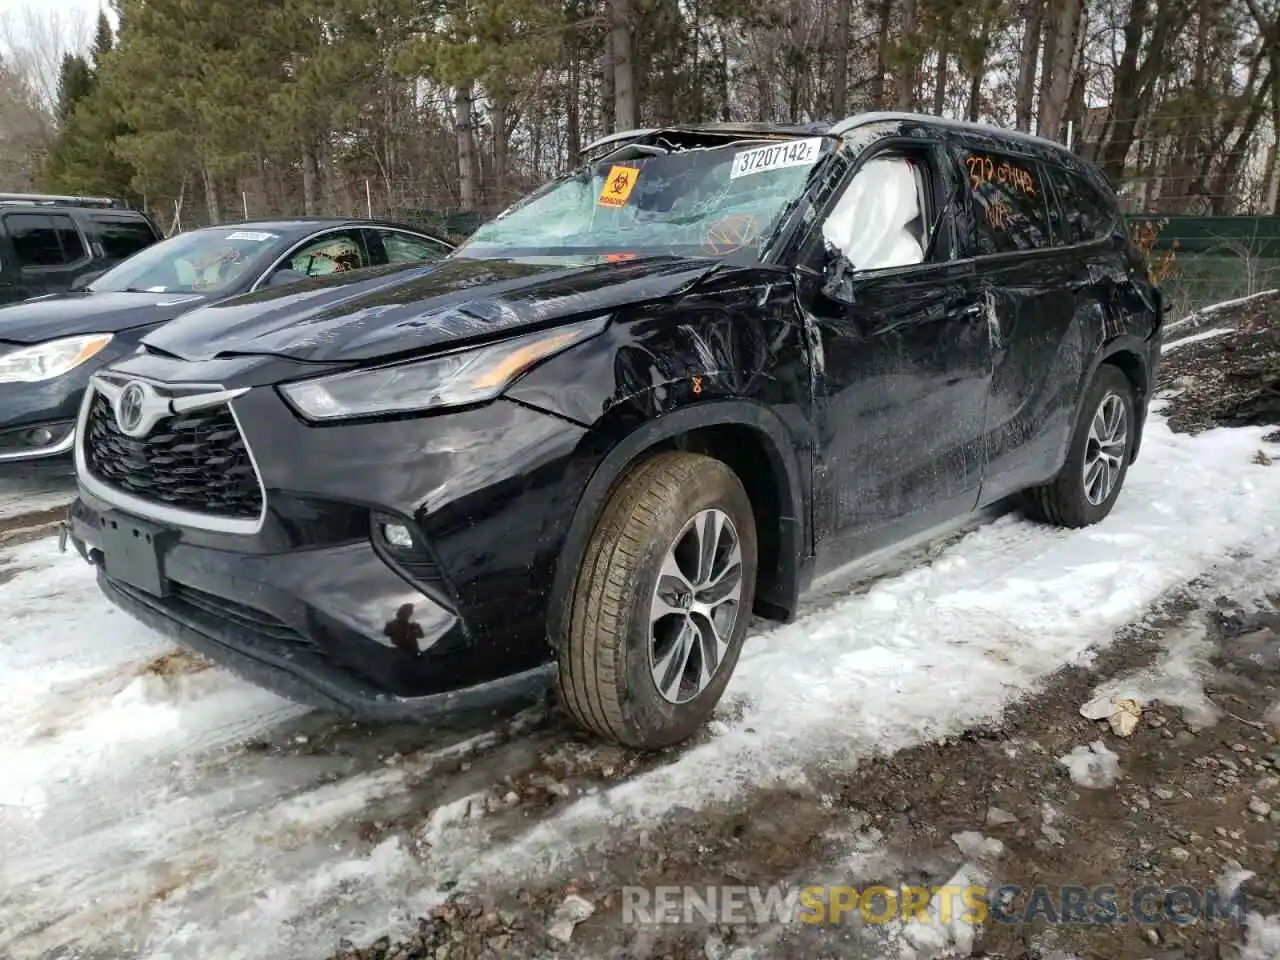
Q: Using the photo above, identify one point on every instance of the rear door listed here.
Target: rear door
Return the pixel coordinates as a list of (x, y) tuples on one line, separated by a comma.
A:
[(388, 245), (47, 252), (1039, 348), (119, 238)]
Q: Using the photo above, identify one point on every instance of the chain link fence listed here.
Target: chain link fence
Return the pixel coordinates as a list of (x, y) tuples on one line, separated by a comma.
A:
[(1199, 261)]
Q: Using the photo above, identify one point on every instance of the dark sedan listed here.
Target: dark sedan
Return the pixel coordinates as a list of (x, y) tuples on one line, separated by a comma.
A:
[(50, 346)]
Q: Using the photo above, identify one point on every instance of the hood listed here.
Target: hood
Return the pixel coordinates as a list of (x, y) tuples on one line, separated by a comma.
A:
[(454, 301), (68, 314)]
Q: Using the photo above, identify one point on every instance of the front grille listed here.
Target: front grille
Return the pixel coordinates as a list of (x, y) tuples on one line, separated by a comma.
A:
[(194, 461)]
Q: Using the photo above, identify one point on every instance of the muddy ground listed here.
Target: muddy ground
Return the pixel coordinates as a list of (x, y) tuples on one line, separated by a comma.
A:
[(1196, 805), (1198, 801), (1229, 378)]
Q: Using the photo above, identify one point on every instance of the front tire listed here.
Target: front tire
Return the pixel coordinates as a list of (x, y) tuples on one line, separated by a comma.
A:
[(661, 604), (1087, 486)]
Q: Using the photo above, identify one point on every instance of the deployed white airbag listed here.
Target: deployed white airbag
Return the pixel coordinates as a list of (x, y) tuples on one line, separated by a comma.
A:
[(869, 224)]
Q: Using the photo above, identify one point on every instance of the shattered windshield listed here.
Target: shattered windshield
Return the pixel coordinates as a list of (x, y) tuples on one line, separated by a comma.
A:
[(701, 202)]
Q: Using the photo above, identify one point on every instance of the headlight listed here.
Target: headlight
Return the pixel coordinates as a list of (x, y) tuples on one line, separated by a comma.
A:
[(45, 361), (452, 380)]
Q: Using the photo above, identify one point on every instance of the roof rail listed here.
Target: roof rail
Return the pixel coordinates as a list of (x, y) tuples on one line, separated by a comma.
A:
[(49, 199)]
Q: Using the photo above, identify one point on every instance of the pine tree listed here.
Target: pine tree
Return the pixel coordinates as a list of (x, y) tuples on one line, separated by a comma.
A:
[(75, 82)]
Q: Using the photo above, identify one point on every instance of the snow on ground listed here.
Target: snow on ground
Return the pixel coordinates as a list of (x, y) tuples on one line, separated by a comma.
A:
[(1197, 337), (132, 825), (1198, 317), (947, 645), (1263, 938), (20, 495)]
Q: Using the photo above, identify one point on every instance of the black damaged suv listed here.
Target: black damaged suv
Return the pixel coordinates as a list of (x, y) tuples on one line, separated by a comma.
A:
[(662, 392)]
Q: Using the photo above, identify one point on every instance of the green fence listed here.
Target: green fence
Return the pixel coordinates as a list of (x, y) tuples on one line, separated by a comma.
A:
[(1211, 259)]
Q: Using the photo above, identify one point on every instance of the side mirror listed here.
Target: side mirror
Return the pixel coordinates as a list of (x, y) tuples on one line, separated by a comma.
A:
[(284, 277), (837, 278), (82, 281)]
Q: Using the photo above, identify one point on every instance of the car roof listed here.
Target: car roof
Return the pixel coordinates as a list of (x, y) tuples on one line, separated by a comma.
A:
[(37, 206), (715, 129), (304, 225), (837, 129), (852, 123)]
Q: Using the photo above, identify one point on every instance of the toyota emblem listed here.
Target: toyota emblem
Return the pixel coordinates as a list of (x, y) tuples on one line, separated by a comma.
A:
[(129, 408)]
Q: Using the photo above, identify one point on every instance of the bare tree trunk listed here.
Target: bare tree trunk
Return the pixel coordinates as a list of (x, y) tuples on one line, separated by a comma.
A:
[(310, 182), (501, 169), (607, 124), (940, 71), (1060, 48), (974, 63), (1074, 109), (840, 70), (624, 93), (465, 128), (1123, 118), (722, 77), (212, 196), (573, 107), (884, 16), (1272, 180), (906, 77), (1223, 188), (1033, 26)]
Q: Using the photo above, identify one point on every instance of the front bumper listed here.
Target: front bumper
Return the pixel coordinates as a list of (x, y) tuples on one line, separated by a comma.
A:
[(29, 411), (315, 605), (37, 420)]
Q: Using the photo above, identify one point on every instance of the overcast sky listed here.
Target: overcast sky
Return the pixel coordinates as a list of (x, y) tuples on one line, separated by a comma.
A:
[(34, 34)]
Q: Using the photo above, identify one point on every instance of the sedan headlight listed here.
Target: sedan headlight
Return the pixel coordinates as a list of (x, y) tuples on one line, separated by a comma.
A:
[(452, 380), (45, 361)]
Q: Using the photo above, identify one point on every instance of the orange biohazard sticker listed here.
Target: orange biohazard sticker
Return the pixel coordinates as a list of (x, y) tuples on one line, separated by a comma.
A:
[(618, 186)]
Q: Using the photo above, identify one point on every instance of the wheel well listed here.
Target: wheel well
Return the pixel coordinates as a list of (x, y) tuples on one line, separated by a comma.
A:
[(1128, 363), (746, 453)]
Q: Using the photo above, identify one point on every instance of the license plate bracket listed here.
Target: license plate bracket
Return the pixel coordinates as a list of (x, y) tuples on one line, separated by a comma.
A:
[(133, 552)]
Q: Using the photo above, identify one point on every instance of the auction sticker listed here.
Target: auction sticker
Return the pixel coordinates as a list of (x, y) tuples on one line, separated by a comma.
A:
[(776, 156), (254, 235)]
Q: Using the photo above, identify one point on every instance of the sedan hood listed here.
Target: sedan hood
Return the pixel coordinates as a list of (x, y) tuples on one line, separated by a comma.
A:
[(69, 314), (448, 303)]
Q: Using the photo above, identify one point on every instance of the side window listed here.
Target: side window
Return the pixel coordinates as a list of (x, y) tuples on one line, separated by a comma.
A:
[(43, 240), (35, 242), (1008, 207), (881, 219), (1084, 214), (123, 238), (330, 253), (69, 238), (406, 248)]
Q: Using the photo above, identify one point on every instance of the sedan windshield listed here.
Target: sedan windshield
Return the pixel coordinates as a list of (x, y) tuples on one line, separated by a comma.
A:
[(211, 261), (706, 202)]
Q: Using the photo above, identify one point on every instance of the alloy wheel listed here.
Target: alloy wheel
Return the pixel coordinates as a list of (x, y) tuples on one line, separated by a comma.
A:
[(695, 606), (1105, 449)]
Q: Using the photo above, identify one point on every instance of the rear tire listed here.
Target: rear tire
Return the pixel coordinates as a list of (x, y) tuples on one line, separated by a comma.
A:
[(1087, 486), (647, 600)]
